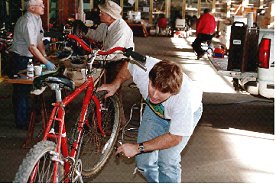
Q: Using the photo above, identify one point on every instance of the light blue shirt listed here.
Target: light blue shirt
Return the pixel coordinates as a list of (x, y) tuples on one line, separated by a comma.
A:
[(179, 108), (28, 30)]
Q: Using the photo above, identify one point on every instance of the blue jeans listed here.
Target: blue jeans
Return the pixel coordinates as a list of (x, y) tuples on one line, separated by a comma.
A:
[(20, 95), (160, 165)]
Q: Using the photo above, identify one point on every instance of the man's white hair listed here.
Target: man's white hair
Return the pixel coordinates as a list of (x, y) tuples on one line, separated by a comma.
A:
[(28, 3)]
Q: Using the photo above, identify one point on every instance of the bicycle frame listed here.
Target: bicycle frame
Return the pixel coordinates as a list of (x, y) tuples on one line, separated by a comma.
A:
[(57, 115), (57, 134)]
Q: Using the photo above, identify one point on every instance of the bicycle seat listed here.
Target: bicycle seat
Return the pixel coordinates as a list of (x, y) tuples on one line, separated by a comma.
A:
[(55, 77)]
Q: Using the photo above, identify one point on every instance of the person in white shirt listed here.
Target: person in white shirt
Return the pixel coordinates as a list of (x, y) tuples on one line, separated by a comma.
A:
[(112, 32), (173, 109)]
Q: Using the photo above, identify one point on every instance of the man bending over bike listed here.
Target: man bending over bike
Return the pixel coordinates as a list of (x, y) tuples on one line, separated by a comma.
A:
[(173, 109)]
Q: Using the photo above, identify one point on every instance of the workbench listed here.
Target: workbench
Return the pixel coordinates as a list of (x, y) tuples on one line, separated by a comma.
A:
[(38, 101)]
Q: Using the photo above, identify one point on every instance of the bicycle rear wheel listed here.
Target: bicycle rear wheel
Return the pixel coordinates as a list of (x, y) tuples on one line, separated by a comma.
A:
[(37, 167), (96, 149)]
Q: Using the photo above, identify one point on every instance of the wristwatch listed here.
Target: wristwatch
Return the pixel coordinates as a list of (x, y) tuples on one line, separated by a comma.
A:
[(141, 148)]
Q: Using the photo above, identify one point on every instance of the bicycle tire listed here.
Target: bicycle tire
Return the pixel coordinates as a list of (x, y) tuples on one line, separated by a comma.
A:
[(96, 149), (41, 151)]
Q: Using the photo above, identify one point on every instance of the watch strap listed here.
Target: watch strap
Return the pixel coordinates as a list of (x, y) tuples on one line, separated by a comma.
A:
[(141, 148)]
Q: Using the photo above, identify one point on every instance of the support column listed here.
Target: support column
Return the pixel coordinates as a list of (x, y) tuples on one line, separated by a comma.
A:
[(136, 6), (46, 17), (261, 4), (198, 8), (168, 9), (91, 4), (122, 6), (214, 6), (22, 5), (183, 9), (150, 11), (228, 9)]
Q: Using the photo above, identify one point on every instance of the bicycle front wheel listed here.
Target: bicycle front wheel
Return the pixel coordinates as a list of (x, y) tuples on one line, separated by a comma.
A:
[(38, 166), (96, 149)]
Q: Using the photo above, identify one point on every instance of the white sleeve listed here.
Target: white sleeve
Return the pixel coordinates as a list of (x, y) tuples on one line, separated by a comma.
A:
[(120, 35), (141, 77), (97, 34)]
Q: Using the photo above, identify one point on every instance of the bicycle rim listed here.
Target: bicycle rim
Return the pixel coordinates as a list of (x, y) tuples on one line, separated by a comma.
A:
[(37, 167), (96, 149)]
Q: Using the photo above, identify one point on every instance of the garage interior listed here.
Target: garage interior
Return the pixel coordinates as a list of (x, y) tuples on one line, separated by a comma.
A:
[(234, 140)]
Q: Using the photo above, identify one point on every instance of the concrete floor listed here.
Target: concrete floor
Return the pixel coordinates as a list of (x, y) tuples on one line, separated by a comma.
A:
[(233, 142)]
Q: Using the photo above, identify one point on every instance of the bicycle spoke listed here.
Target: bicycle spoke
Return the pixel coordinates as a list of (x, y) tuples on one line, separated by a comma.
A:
[(39, 165), (95, 148)]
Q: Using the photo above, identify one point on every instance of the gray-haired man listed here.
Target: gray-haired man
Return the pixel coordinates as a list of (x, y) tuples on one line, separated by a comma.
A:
[(27, 43), (112, 32)]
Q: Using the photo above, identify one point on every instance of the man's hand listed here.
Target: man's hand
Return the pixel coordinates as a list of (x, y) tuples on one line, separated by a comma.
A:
[(128, 150), (50, 66), (110, 88)]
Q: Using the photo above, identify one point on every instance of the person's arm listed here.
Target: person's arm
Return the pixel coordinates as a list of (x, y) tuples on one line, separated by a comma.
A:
[(41, 48), (41, 56), (121, 77), (97, 34), (165, 141), (37, 54)]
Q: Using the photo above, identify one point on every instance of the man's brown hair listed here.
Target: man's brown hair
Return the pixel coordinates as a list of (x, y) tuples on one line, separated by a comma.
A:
[(166, 76)]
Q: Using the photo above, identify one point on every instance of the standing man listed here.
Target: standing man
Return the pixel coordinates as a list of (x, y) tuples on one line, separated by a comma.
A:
[(205, 30), (27, 44), (173, 109)]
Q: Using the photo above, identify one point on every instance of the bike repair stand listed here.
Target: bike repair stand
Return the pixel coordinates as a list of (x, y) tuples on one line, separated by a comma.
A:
[(38, 102)]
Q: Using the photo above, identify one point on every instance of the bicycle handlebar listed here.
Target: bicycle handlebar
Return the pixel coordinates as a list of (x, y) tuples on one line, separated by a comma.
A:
[(111, 51), (128, 52), (80, 41), (135, 55), (87, 48)]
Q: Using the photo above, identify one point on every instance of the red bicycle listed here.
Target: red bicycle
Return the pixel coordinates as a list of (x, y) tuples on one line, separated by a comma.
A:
[(55, 159)]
